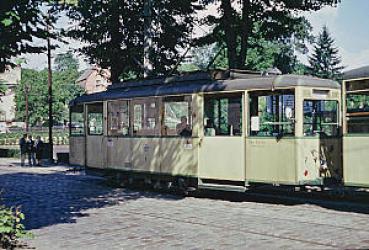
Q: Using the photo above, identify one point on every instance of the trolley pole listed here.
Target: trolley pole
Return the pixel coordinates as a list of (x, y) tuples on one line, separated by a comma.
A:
[(50, 93), (148, 66)]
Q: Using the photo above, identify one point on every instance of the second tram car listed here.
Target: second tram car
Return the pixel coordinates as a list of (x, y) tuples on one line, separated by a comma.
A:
[(356, 127), (225, 130)]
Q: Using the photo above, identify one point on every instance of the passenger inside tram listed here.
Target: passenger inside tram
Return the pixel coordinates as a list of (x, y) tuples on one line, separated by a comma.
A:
[(183, 128)]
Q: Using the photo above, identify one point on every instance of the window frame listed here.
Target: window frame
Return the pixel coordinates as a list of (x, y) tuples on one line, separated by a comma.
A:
[(71, 111), (173, 99), (88, 118), (128, 101), (157, 129), (328, 124), (267, 93), (218, 97)]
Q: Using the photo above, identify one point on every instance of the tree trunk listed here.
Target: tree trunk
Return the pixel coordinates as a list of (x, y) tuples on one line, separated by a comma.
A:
[(246, 27), (230, 36), (116, 41)]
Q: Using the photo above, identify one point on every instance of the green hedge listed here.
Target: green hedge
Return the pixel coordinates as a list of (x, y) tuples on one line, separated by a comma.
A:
[(9, 153)]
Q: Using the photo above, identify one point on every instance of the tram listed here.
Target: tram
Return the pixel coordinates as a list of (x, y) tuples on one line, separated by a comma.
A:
[(355, 91), (225, 130)]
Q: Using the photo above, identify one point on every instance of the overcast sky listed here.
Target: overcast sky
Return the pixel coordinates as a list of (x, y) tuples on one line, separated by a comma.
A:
[(348, 24)]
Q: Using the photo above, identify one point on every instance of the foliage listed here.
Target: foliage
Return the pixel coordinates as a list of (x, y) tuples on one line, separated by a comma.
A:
[(325, 61), (64, 90), (66, 61), (113, 31), (3, 89), (278, 21), (20, 22), (11, 228)]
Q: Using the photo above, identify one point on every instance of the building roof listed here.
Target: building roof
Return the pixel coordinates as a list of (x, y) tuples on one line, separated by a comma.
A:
[(203, 82), (362, 72), (85, 75)]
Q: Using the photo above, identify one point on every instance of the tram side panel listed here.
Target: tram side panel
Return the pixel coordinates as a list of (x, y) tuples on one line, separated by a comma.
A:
[(77, 150), (356, 160), (119, 153), (95, 152), (269, 160), (179, 156), (318, 159), (146, 155)]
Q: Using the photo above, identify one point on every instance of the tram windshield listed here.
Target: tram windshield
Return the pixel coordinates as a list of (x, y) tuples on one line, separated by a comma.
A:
[(272, 113), (320, 117), (76, 124)]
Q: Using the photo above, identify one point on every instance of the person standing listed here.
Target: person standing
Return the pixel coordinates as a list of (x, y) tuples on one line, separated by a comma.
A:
[(23, 148), (39, 146), (31, 151)]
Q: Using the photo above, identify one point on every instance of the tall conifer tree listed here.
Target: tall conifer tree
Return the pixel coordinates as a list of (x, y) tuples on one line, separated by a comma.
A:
[(325, 61)]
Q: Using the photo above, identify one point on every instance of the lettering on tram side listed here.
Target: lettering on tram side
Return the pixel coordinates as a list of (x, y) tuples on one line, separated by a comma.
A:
[(146, 148), (188, 144), (257, 142)]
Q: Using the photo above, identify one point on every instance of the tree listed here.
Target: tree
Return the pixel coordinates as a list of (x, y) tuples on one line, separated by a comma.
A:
[(325, 61), (113, 31), (277, 20), (64, 90), (65, 62), (20, 22)]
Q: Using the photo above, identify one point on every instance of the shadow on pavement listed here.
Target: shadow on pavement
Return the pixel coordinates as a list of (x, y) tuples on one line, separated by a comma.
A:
[(353, 204), (58, 197)]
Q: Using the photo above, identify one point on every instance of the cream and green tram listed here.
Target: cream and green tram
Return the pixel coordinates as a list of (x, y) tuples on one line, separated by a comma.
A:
[(355, 92), (204, 131)]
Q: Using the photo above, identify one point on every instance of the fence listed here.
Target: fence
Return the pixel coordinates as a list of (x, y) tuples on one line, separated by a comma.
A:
[(60, 135)]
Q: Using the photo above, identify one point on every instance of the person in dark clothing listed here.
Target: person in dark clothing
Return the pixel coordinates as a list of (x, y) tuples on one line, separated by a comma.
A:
[(23, 148), (31, 151), (39, 147)]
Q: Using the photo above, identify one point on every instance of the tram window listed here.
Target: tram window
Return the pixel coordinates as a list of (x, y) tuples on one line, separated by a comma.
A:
[(357, 113), (118, 118), (320, 117), (77, 126), (223, 115), (146, 117), (177, 116), (272, 114), (95, 119)]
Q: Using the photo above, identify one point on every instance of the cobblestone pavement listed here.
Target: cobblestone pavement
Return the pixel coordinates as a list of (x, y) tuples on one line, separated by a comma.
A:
[(67, 210)]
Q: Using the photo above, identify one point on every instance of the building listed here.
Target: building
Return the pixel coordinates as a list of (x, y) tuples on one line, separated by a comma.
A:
[(94, 80), (11, 77)]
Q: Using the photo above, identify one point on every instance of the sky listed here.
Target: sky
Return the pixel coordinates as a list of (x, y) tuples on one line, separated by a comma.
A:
[(348, 24)]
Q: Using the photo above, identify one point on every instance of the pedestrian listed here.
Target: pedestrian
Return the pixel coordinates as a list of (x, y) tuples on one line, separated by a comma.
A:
[(31, 151), (39, 148), (23, 148)]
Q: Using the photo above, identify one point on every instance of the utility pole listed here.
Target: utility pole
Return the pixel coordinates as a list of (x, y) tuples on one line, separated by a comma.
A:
[(26, 92), (50, 92), (148, 67)]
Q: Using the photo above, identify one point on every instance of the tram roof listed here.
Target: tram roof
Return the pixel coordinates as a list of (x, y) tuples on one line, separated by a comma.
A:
[(362, 72), (204, 82)]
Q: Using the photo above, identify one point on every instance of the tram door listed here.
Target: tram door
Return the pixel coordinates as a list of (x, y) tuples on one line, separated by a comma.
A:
[(222, 145), (94, 137)]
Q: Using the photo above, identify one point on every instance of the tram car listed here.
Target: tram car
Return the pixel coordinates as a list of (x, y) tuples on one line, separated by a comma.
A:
[(355, 95), (221, 130)]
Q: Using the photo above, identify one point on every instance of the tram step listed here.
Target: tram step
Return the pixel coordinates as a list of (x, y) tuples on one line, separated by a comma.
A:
[(221, 187)]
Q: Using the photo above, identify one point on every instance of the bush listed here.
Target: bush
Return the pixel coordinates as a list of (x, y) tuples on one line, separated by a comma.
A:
[(11, 228), (9, 152)]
